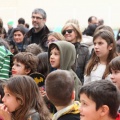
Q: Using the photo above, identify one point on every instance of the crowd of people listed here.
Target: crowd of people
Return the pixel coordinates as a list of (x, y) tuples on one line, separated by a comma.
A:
[(67, 75)]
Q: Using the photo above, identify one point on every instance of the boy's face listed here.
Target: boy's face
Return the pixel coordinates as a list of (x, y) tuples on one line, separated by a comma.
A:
[(88, 109), (19, 68), (115, 77), (55, 58)]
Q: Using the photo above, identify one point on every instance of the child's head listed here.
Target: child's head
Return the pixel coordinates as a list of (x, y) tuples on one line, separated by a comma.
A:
[(101, 98), (24, 63), (43, 63), (104, 50), (59, 86), (114, 68), (54, 37), (22, 95), (61, 55), (34, 49), (108, 37)]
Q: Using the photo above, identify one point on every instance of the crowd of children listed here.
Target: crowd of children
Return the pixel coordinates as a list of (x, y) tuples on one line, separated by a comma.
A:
[(55, 76)]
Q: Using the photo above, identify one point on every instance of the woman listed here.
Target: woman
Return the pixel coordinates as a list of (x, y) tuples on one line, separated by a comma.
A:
[(72, 34)]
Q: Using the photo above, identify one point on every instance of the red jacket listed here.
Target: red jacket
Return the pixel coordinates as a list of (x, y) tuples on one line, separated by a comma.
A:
[(118, 116)]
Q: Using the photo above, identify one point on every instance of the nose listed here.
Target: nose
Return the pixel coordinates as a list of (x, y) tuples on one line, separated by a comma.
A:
[(95, 46), (112, 76), (3, 99)]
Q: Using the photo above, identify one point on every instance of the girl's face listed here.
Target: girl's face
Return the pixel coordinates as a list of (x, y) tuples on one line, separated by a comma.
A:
[(70, 34), (88, 109), (51, 39), (18, 37), (115, 76), (10, 101), (101, 48), (19, 69), (55, 58)]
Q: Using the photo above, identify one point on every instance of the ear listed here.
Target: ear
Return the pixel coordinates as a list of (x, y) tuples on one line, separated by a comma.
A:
[(27, 71), (104, 110), (73, 95), (110, 46)]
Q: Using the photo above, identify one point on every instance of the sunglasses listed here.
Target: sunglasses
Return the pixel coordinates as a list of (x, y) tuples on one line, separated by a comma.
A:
[(68, 31)]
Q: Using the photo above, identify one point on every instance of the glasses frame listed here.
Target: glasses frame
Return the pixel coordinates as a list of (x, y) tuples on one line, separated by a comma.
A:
[(38, 18)]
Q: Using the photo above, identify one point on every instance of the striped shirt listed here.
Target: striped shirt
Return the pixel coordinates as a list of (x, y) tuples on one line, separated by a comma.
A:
[(4, 62)]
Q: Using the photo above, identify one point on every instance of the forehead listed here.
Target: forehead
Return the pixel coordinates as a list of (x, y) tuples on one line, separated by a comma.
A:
[(99, 39), (37, 14)]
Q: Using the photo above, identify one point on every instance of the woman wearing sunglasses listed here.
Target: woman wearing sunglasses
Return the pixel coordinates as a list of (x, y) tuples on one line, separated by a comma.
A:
[(72, 33)]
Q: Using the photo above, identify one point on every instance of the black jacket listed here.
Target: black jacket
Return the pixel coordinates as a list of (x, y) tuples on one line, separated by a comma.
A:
[(39, 38), (70, 117), (82, 57)]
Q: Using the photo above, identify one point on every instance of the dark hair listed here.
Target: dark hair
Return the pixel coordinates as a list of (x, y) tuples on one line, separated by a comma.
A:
[(43, 63), (26, 90), (115, 64), (103, 92), (118, 35), (21, 29), (21, 21), (90, 18), (91, 29), (59, 86), (34, 49), (27, 25), (28, 59)]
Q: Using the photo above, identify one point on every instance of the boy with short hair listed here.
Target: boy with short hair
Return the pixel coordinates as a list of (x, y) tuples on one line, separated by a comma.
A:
[(99, 101), (59, 87), (24, 63), (61, 55)]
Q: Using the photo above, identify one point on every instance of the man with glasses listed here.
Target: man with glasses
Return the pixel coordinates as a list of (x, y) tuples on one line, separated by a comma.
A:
[(38, 34)]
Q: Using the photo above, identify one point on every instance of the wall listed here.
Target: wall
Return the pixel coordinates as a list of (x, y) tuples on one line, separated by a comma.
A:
[(58, 11)]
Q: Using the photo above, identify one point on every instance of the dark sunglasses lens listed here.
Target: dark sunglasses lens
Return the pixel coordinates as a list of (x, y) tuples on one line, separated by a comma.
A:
[(69, 31)]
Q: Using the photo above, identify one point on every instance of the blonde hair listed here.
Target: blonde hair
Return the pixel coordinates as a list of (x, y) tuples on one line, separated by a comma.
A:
[(75, 21), (57, 35), (76, 28)]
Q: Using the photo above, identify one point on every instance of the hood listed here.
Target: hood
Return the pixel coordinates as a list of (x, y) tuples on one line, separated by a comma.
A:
[(67, 54)]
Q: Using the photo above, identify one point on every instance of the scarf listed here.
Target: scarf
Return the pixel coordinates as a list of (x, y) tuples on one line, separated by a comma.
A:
[(74, 109)]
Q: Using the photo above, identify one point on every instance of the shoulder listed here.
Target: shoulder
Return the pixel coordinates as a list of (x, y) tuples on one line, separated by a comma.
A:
[(83, 48), (34, 116)]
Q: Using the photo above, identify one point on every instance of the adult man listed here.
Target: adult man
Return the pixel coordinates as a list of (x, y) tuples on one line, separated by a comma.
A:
[(38, 34), (91, 20)]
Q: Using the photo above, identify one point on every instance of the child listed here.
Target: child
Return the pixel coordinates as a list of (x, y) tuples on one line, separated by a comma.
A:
[(99, 101), (42, 63), (62, 55), (24, 63), (104, 52), (114, 67), (22, 100), (59, 87), (34, 49), (5, 60)]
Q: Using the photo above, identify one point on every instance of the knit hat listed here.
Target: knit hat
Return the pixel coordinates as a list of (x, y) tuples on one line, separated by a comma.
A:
[(10, 23)]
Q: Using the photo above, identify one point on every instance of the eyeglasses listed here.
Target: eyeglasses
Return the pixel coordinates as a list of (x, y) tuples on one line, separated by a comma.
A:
[(38, 18), (68, 31)]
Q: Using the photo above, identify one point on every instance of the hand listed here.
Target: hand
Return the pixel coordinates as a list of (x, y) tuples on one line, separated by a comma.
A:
[(4, 114)]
